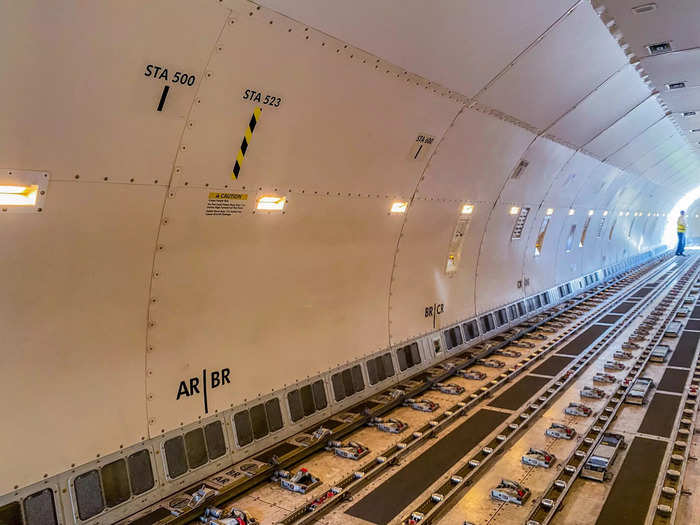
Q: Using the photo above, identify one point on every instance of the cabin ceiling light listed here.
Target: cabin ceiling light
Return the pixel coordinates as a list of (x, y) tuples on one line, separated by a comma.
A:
[(467, 209), (605, 213), (19, 195), (571, 211), (399, 207), (514, 210), (270, 203), (549, 211), (590, 212)]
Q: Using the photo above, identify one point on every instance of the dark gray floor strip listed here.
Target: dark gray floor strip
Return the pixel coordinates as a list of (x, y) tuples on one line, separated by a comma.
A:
[(673, 380), (580, 343), (631, 493), (685, 349), (609, 319), (660, 416), (623, 308), (391, 497), (520, 392), (553, 365)]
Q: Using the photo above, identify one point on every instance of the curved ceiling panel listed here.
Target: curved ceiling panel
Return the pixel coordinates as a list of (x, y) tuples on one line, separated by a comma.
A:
[(557, 72), (438, 41)]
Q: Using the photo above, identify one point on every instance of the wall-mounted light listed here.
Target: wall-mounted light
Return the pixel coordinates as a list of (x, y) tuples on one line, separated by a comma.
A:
[(19, 195), (399, 207), (467, 209), (590, 212), (550, 211), (605, 213), (571, 211), (514, 210), (270, 203)]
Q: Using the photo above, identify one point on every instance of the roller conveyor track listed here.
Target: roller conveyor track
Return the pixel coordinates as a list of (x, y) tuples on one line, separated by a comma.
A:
[(573, 308), (433, 507)]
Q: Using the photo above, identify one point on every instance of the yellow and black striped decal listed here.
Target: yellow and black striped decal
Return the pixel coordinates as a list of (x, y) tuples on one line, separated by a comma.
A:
[(246, 142)]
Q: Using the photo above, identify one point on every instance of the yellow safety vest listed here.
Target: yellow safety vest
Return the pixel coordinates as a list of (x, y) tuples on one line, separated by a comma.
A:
[(681, 225)]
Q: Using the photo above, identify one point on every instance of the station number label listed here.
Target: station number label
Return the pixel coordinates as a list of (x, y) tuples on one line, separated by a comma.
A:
[(259, 97), (173, 76), (421, 146)]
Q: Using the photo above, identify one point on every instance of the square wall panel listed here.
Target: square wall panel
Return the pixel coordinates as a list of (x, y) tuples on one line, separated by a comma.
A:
[(576, 56), (609, 102), (625, 129), (477, 155), (647, 141)]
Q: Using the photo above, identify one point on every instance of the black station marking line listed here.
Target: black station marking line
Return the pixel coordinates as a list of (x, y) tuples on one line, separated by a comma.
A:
[(609, 319), (163, 96), (204, 382), (658, 421), (628, 500), (685, 350), (578, 344), (520, 392), (673, 380), (693, 324), (553, 365), (417, 152), (623, 308), (386, 501)]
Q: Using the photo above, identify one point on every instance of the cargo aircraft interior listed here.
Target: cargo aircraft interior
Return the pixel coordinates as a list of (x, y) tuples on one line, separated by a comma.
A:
[(350, 262)]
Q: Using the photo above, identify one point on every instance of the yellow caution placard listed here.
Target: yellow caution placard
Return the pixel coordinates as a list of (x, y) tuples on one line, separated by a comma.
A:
[(226, 204), (246, 142)]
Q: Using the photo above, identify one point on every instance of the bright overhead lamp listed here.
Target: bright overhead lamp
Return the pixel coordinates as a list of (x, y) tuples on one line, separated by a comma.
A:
[(590, 212), (627, 214), (19, 195), (270, 203), (514, 210), (621, 214), (605, 213), (549, 211), (571, 211), (399, 207), (467, 209), (648, 214)]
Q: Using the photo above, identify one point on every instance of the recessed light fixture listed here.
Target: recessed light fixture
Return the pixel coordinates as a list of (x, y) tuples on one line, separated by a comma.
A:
[(590, 212), (270, 203), (399, 207), (571, 211), (514, 210), (605, 213), (621, 213), (19, 195), (467, 209), (549, 211), (627, 214)]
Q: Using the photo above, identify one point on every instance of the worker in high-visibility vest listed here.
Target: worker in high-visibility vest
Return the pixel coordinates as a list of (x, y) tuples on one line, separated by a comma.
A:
[(682, 227)]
